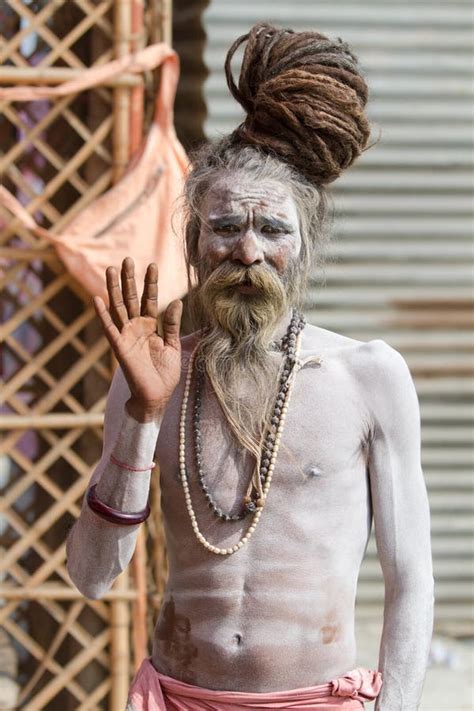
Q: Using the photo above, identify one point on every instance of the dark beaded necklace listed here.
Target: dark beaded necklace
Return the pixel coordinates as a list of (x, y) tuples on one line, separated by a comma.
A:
[(288, 346)]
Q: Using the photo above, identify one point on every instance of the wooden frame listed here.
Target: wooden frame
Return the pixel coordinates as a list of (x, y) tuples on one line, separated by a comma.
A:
[(55, 364)]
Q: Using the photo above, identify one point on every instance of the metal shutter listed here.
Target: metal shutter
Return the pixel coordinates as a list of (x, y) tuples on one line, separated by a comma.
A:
[(402, 237)]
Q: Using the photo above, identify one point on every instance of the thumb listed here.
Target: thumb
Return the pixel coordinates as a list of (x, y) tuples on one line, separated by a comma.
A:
[(172, 323)]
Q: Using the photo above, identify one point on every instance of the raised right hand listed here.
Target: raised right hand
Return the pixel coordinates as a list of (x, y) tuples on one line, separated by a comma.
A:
[(151, 364)]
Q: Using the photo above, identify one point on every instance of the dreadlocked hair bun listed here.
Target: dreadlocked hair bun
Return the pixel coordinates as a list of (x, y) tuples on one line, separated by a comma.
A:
[(304, 97)]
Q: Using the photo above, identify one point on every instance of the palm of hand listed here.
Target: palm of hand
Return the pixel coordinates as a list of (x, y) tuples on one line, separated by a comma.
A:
[(150, 366), (151, 363)]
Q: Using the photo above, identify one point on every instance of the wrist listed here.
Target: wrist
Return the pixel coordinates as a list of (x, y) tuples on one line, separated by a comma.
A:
[(143, 412)]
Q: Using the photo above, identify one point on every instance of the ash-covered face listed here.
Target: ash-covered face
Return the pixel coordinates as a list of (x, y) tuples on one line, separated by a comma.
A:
[(248, 279), (248, 268), (251, 225)]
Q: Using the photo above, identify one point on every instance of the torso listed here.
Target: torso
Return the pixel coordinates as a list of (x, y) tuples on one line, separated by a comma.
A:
[(279, 613)]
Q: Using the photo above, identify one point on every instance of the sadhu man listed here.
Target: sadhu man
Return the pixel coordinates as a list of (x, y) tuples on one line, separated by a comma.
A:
[(277, 440)]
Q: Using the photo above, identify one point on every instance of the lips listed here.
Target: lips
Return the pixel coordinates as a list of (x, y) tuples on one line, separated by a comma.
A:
[(247, 288), (247, 285)]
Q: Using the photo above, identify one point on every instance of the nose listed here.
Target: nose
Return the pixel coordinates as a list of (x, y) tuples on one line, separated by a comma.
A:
[(248, 249)]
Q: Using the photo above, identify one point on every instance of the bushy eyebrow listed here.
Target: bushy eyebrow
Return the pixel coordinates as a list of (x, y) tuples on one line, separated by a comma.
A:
[(225, 220), (237, 220), (275, 223)]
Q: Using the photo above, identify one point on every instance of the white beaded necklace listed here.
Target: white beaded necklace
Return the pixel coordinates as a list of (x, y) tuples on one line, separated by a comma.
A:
[(182, 457)]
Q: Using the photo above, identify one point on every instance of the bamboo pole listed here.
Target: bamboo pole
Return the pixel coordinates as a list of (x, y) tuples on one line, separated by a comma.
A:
[(139, 630), (121, 110), (161, 31), (20, 254), (59, 592), (52, 421), (119, 645), (39, 76), (139, 560), (137, 93), (119, 608), (165, 21), (159, 553)]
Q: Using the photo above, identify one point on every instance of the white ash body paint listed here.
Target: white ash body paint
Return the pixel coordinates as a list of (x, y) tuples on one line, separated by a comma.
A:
[(350, 451)]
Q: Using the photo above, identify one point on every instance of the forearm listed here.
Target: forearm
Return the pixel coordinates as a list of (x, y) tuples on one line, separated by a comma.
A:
[(98, 551), (118, 486), (405, 643)]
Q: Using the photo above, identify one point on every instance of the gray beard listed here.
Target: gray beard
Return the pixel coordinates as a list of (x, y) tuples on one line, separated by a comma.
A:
[(235, 347), (244, 377)]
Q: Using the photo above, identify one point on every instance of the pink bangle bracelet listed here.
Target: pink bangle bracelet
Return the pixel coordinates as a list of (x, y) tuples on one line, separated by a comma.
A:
[(114, 460), (112, 515)]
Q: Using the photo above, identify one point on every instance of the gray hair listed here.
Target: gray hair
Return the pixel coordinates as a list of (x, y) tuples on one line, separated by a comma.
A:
[(314, 207)]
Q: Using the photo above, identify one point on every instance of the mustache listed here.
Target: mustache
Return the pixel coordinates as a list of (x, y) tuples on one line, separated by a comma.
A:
[(228, 275), (216, 303)]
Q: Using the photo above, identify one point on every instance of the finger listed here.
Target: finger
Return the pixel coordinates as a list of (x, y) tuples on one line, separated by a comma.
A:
[(149, 303), (129, 288), (172, 322), (117, 307), (110, 329)]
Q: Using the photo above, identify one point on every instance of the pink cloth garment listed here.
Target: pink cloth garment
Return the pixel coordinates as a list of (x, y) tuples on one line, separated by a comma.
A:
[(153, 691)]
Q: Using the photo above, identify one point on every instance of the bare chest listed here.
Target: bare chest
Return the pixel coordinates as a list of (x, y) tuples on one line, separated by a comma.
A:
[(321, 462)]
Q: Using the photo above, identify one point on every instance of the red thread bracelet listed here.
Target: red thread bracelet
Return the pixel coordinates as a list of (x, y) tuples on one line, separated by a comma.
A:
[(112, 515), (114, 460)]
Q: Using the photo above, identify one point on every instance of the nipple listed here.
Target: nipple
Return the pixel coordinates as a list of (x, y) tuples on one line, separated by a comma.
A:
[(314, 472)]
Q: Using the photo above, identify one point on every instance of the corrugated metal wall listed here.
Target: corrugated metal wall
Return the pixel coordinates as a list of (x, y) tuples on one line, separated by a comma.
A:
[(402, 237)]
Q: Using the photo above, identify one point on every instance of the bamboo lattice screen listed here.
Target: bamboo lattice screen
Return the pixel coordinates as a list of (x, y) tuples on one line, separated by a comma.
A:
[(58, 649)]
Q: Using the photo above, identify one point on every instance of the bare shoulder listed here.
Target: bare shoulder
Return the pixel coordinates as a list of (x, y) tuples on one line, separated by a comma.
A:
[(376, 352), (379, 368), (386, 383), (318, 340), (322, 340), (380, 362)]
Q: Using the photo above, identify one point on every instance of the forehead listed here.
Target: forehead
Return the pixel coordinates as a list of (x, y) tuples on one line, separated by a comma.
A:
[(241, 193)]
